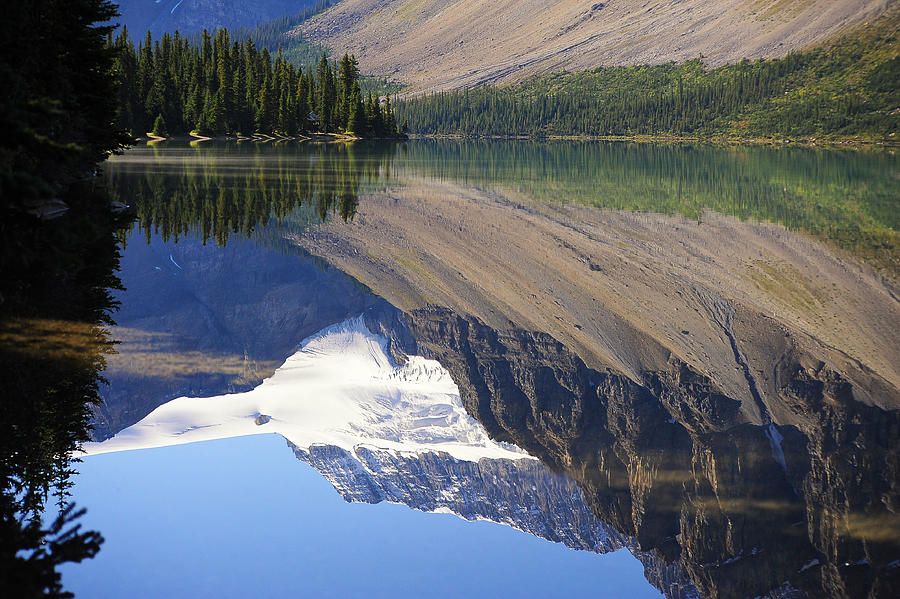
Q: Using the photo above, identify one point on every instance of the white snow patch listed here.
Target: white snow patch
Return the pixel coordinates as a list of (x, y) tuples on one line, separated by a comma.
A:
[(810, 564), (775, 439), (341, 388)]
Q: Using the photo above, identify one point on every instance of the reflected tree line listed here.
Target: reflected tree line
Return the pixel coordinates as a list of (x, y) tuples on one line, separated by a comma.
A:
[(219, 190), (56, 303), (845, 198)]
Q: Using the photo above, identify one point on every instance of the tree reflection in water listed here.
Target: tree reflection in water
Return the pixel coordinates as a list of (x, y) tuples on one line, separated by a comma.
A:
[(55, 302), (216, 190)]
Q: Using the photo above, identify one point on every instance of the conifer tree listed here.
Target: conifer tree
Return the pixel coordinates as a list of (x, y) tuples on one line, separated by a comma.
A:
[(159, 126), (325, 93), (356, 121), (265, 108), (390, 124), (301, 101), (220, 87)]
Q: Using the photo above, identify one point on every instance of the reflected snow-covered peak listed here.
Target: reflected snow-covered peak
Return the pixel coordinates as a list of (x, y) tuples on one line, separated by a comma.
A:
[(340, 388)]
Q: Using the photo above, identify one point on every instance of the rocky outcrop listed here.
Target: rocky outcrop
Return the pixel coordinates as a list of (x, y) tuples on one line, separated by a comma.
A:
[(745, 509)]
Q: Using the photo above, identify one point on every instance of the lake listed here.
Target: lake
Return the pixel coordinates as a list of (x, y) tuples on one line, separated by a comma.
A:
[(515, 368)]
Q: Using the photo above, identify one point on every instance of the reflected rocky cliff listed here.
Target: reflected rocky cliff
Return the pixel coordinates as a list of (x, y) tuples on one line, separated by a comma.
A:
[(811, 511), (522, 494), (724, 392)]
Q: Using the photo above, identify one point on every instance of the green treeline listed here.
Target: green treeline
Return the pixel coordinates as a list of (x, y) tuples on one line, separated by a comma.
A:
[(224, 87), (850, 88)]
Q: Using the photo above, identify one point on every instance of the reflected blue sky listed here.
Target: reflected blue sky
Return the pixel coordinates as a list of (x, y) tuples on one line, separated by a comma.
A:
[(243, 517)]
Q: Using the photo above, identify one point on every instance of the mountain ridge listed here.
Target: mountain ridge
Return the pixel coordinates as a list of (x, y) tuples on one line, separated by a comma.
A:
[(189, 16)]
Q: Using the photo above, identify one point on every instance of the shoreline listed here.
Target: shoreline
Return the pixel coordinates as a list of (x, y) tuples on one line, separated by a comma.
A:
[(667, 139), (256, 137), (717, 140)]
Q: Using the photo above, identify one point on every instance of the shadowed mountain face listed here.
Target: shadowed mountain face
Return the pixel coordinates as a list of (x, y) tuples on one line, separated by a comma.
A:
[(189, 16), (745, 510)]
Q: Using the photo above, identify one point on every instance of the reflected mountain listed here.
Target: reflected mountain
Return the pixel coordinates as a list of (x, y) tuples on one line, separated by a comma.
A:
[(725, 392), (202, 319), (383, 431), (705, 340)]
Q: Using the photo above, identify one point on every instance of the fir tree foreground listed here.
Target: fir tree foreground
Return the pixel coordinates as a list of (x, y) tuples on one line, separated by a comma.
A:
[(58, 259)]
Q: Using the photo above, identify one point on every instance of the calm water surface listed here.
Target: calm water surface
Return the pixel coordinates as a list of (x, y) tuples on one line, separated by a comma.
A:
[(581, 368)]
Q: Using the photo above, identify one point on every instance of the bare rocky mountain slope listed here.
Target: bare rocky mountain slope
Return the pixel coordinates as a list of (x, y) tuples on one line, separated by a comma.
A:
[(433, 45)]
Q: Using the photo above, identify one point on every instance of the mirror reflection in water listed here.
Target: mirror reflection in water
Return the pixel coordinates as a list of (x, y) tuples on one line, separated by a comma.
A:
[(689, 352)]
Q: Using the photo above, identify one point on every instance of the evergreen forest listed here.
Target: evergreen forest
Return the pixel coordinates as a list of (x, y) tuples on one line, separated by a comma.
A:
[(220, 86)]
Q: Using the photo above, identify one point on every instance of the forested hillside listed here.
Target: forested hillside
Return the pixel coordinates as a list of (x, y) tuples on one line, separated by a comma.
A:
[(849, 88), (272, 35), (221, 86), (282, 34)]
